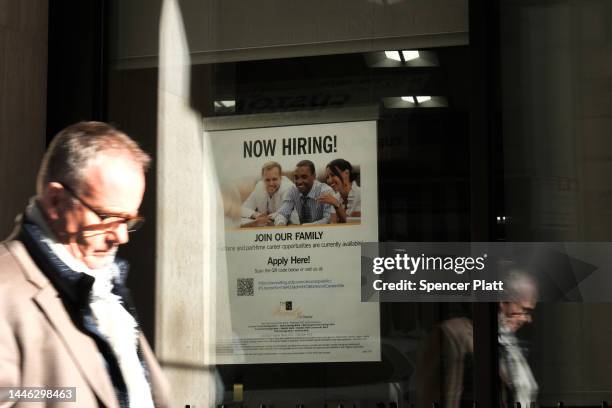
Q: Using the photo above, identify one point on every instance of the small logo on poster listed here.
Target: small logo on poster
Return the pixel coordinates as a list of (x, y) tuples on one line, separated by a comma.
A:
[(287, 309)]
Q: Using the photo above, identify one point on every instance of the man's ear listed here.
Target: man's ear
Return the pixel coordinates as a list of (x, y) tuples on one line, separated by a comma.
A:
[(53, 200)]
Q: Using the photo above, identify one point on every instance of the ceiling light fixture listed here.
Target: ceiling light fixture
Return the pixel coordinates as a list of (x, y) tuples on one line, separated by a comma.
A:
[(402, 56), (225, 104), (393, 55), (410, 55), (415, 102)]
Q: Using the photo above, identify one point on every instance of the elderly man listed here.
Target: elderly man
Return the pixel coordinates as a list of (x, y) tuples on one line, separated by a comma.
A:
[(65, 320), (446, 371), (518, 380), (304, 196), (259, 209)]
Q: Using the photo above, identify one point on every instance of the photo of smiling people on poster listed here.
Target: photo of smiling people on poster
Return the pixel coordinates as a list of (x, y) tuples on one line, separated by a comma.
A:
[(307, 199)]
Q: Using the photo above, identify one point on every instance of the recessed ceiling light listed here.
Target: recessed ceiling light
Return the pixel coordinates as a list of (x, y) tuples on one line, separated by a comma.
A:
[(410, 55), (225, 104), (415, 102), (401, 58), (407, 55), (394, 55)]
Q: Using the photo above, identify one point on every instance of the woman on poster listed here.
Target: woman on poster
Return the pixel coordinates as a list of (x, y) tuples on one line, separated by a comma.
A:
[(346, 201)]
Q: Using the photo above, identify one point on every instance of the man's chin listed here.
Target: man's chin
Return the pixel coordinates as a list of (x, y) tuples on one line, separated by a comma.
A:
[(102, 260)]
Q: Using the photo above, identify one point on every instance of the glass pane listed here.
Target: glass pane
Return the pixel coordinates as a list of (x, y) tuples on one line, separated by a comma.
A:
[(555, 81), (416, 109)]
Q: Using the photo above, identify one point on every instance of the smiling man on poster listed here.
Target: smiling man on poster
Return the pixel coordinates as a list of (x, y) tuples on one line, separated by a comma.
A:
[(303, 198), (259, 209)]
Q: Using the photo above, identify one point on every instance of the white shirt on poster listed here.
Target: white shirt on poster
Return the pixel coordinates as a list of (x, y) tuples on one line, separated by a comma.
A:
[(259, 201)]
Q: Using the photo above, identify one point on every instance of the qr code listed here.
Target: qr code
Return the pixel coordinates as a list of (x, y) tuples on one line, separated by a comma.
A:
[(245, 287)]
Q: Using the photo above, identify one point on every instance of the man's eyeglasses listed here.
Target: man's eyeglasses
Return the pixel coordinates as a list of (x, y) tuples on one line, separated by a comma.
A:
[(110, 221)]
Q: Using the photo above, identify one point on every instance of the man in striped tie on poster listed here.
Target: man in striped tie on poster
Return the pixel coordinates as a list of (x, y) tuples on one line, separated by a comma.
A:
[(303, 197)]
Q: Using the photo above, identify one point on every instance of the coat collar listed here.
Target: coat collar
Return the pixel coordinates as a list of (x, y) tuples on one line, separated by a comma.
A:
[(74, 285), (80, 346), (59, 286)]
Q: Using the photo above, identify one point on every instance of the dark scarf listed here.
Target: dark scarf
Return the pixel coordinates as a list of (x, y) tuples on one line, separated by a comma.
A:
[(74, 289)]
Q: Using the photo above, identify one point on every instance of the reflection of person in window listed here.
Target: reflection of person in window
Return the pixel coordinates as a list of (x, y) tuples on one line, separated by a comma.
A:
[(447, 372), (516, 375), (266, 198), (347, 198), (303, 198)]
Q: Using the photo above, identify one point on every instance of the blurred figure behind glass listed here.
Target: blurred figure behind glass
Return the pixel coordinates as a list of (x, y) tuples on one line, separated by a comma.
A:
[(445, 372)]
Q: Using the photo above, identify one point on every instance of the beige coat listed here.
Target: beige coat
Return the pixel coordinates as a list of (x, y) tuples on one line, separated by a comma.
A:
[(41, 347)]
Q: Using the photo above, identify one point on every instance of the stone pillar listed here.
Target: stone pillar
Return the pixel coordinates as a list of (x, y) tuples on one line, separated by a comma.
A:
[(189, 228)]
